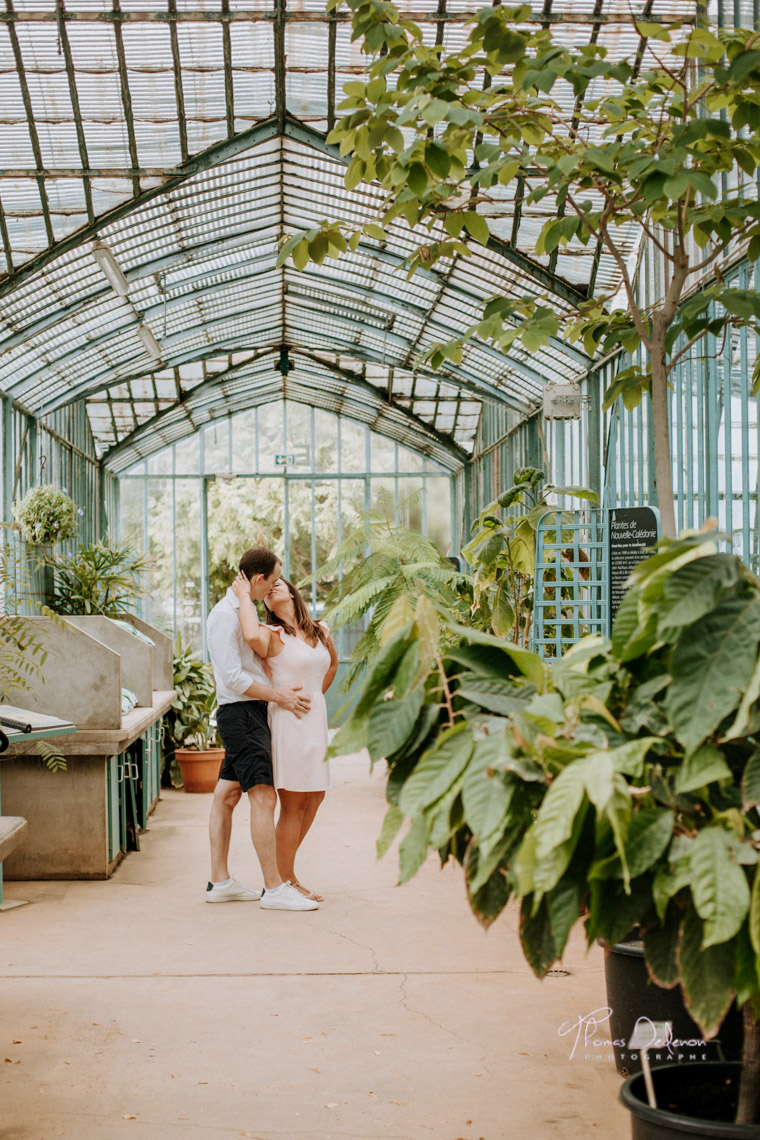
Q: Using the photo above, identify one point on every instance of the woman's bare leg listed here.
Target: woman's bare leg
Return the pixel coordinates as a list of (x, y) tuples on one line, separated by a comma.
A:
[(297, 812)]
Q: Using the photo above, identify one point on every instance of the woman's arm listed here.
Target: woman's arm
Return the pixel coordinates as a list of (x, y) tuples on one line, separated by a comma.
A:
[(256, 634), (329, 676)]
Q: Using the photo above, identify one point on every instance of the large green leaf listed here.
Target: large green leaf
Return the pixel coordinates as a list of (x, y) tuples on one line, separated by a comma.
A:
[(486, 798), (718, 885), (661, 950), (649, 834), (668, 881), (747, 715), (391, 723), (754, 914), (554, 823), (490, 899), (550, 868), (751, 781), (497, 696), (391, 827), (564, 909), (702, 767), (707, 976), (502, 615), (437, 769), (696, 589), (413, 850), (626, 623), (712, 665), (536, 937), (526, 664)]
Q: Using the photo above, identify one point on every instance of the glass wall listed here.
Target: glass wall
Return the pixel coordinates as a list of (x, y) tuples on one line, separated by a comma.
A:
[(294, 478)]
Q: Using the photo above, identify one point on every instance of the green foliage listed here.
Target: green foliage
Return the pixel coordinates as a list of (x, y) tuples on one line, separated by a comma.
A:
[(380, 564), (581, 788), (502, 554), (22, 653), (46, 515), (652, 148), (187, 724), (103, 578)]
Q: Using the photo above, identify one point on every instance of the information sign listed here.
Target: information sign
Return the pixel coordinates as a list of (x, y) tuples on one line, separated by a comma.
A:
[(633, 531)]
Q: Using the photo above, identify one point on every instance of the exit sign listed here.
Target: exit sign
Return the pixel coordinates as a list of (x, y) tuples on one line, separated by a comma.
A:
[(285, 459)]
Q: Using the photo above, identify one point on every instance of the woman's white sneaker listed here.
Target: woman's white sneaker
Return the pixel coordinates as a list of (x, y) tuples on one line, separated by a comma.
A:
[(286, 897), (231, 891)]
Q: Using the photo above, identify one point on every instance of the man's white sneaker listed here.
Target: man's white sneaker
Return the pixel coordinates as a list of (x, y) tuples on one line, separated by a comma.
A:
[(286, 897), (231, 891)]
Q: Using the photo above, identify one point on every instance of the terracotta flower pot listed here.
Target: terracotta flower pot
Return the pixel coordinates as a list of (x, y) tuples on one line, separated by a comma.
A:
[(200, 768)]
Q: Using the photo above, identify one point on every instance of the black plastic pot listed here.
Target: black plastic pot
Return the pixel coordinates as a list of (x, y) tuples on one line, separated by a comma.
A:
[(631, 995), (692, 1100)]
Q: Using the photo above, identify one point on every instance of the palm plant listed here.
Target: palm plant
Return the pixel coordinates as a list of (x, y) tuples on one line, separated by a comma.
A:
[(103, 578), (379, 563)]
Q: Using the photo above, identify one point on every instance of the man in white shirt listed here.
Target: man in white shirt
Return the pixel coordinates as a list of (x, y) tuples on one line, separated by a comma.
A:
[(243, 690)]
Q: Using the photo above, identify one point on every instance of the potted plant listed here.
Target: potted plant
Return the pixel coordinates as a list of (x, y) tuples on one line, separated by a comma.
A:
[(619, 784), (189, 732)]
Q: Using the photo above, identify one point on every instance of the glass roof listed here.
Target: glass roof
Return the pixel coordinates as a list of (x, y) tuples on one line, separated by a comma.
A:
[(189, 138)]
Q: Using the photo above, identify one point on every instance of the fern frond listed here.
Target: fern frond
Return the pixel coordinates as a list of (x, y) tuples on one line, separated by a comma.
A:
[(357, 603)]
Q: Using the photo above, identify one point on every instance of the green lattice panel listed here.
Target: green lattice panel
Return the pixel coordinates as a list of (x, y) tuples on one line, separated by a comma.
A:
[(571, 592)]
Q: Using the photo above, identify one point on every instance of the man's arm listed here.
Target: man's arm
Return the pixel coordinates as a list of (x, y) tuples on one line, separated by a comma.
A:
[(289, 698)]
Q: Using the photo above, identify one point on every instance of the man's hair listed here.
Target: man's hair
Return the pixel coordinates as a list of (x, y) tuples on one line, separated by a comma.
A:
[(258, 560)]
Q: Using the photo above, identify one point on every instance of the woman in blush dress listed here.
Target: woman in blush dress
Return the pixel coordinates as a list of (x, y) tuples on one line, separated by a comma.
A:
[(298, 648)]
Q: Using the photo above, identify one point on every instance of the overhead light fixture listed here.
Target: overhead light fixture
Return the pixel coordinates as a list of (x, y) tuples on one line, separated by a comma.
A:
[(152, 347), (111, 268)]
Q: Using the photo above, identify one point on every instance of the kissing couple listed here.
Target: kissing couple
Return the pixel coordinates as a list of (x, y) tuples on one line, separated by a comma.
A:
[(270, 684)]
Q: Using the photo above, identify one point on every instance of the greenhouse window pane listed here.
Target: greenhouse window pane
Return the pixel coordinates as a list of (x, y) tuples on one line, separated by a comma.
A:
[(439, 512), (409, 460), (383, 454), (187, 456), (161, 462), (270, 436), (244, 441), (352, 446), (300, 532), (216, 450), (411, 508), (241, 513), (326, 436), (299, 437), (132, 512)]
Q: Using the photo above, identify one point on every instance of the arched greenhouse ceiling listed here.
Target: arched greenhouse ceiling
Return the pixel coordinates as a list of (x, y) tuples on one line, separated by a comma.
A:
[(189, 137)]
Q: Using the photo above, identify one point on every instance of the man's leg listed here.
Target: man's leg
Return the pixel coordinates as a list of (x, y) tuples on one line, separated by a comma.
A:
[(226, 796), (263, 799)]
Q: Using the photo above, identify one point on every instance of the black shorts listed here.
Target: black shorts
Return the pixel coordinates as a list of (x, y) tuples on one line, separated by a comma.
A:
[(244, 730)]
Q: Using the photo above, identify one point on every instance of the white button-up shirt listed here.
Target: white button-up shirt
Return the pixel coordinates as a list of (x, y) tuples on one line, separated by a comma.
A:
[(235, 664)]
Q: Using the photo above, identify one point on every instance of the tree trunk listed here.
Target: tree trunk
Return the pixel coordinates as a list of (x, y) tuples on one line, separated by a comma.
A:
[(661, 434), (748, 1108)]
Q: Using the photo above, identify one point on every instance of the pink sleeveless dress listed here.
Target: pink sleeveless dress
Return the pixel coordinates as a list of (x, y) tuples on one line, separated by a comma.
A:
[(299, 747)]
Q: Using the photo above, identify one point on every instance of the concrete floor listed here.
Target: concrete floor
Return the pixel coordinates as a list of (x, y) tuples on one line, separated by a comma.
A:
[(131, 1008)]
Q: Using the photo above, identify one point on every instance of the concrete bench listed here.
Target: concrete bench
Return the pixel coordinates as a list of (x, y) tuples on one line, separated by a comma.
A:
[(12, 828)]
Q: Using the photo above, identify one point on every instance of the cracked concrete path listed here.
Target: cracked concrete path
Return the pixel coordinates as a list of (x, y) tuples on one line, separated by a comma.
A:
[(131, 1008)]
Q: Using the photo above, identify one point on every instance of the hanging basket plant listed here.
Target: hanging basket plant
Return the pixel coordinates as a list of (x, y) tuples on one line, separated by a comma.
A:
[(46, 515)]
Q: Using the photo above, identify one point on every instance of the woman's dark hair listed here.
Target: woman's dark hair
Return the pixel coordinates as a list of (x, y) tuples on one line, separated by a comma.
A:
[(258, 560), (312, 631)]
